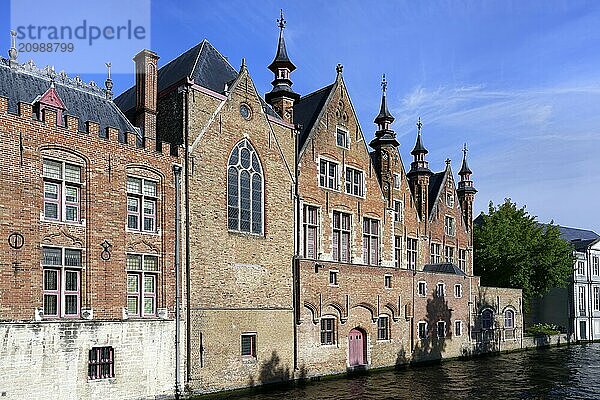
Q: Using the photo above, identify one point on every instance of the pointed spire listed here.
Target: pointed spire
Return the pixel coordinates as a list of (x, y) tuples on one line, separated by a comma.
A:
[(281, 58), (384, 135), (108, 83), (384, 114), (419, 148), (465, 171)]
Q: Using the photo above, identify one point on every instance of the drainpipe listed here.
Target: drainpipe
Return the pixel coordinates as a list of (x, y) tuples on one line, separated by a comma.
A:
[(188, 357), (296, 259), (177, 173)]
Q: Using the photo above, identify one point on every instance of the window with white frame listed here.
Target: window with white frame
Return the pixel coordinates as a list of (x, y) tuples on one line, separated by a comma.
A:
[(458, 290), (61, 270), (435, 250), (422, 330), (342, 138), (383, 328), (328, 174), (333, 277), (422, 288), (398, 251), (142, 276), (354, 181), (596, 298), (411, 253), (327, 330), (450, 199), (245, 186), (440, 289), (457, 328), (248, 345), (509, 319), (449, 254), (581, 299), (341, 236), (397, 181), (580, 267), (370, 241), (387, 281), (462, 259), (62, 191), (441, 329), (449, 226), (141, 204), (311, 231), (595, 265), (398, 211)]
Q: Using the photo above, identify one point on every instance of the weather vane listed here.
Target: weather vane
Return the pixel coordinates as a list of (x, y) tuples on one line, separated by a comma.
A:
[(465, 150), (281, 21), (419, 125), (383, 83)]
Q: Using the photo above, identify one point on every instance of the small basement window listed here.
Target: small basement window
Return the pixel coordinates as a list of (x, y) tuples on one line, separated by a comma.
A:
[(101, 363), (249, 345)]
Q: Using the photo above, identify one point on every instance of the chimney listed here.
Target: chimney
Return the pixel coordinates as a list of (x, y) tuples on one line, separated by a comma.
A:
[(146, 89)]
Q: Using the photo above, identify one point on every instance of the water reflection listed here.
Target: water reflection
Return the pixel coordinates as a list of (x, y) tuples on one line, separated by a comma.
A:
[(558, 373)]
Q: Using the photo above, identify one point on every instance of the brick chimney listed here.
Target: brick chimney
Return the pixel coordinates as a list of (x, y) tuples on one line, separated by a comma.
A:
[(146, 88)]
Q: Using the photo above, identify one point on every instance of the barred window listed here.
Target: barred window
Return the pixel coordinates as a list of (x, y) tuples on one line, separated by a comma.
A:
[(245, 190), (101, 364), (249, 345)]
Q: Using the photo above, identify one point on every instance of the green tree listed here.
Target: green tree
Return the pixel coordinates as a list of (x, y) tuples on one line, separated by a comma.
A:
[(513, 250)]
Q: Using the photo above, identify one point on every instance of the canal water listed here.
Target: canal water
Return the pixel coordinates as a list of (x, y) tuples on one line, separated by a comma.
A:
[(557, 373)]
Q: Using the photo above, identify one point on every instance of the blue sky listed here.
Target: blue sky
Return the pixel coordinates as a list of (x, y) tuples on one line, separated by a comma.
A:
[(518, 81)]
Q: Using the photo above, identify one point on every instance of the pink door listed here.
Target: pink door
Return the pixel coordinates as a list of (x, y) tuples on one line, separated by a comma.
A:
[(356, 347)]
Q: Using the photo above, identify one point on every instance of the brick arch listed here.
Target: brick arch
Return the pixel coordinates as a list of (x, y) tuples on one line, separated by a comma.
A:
[(147, 169), (369, 307), (393, 310), (49, 149), (314, 311), (343, 313)]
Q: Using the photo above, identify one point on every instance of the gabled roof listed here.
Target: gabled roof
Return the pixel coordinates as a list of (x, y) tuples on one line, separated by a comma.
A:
[(307, 110), (23, 84), (436, 182), (582, 245), (444, 268), (571, 234)]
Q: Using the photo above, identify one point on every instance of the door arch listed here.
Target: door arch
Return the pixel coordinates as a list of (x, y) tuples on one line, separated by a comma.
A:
[(357, 347)]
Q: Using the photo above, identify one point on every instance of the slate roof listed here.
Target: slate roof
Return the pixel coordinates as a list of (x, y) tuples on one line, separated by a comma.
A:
[(435, 183), (21, 85), (444, 268), (571, 234), (582, 245), (306, 111)]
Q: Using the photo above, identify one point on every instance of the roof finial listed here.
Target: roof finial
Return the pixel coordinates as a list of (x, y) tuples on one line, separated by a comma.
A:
[(383, 84), (12, 52), (108, 83), (448, 161), (339, 68), (243, 66), (281, 21), (465, 150), (419, 126)]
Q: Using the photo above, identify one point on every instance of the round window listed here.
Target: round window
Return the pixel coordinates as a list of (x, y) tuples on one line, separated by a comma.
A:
[(245, 111)]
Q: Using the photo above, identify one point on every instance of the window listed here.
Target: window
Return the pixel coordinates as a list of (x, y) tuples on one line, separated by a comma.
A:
[(422, 288), (450, 199), (341, 236), (486, 319), (249, 345), (244, 190), (440, 289), (141, 204), (596, 298), (327, 331), (398, 250), (462, 259), (328, 174), (411, 253), (387, 281), (383, 332), (62, 190), (596, 265), (509, 319), (398, 211), (311, 232), (342, 139), (580, 268), (458, 291), (354, 182), (581, 300), (422, 329), (397, 181), (435, 250), (441, 329), (142, 274), (61, 282), (371, 241), (457, 328), (449, 254), (333, 278), (449, 226), (101, 364)]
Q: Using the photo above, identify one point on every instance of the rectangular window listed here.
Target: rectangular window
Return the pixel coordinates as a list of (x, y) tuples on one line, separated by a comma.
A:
[(311, 232), (422, 288), (435, 250), (398, 250), (341, 236), (580, 268), (101, 364), (370, 241), (141, 204), (398, 211), (450, 199), (596, 298), (387, 281), (440, 290), (249, 345), (449, 254), (62, 183), (422, 330), (441, 329), (596, 265), (333, 277), (61, 282), (328, 175), (411, 253), (397, 181), (449, 226), (327, 331), (354, 182), (462, 259), (342, 138), (581, 300), (383, 331), (458, 291), (457, 328), (142, 279)]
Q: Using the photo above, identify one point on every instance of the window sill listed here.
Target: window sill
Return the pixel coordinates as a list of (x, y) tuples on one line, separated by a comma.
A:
[(247, 234), (151, 233), (249, 360), (333, 345), (384, 340), (69, 223), (331, 189)]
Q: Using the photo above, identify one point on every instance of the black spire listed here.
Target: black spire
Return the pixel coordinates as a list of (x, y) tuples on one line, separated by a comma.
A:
[(465, 170), (281, 67), (384, 114), (419, 148), (384, 134), (281, 58)]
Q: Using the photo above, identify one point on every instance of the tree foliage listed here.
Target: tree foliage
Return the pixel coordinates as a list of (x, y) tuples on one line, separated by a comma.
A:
[(513, 250)]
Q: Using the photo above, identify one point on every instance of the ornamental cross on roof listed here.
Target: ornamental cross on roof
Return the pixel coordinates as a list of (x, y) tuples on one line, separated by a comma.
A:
[(281, 21), (383, 84), (419, 125), (465, 150)]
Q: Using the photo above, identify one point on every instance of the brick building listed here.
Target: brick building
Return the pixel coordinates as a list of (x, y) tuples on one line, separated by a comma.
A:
[(87, 226)]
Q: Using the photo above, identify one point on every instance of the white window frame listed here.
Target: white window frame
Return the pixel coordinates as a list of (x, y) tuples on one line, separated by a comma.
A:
[(440, 289), (326, 178), (387, 278), (424, 292), (397, 181), (141, 198), (412, 254), (595, 265), (449, 225), (449, 254), (462, 261), (62, 184), (341, 232), (386, 329), (450, 199), (308, 224), (339, 129), (596, 298), (457, 291), (333, 331), (350, 186), (398, 250), (581, 267), (333, 278), (61, 282), (458, 324), (253, 350), (141, 295), (435, 257), (424, 325), (370, 238), (398, 211), (437, 329)]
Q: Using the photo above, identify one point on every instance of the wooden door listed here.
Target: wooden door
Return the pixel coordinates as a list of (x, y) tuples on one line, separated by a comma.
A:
[(356, 347)]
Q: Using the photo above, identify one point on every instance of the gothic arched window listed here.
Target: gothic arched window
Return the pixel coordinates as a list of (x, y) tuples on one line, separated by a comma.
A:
[(244, 190)]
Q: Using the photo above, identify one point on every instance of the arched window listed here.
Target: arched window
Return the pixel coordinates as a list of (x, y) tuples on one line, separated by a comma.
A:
[(244, 190), (509, 319), (486, 319)]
